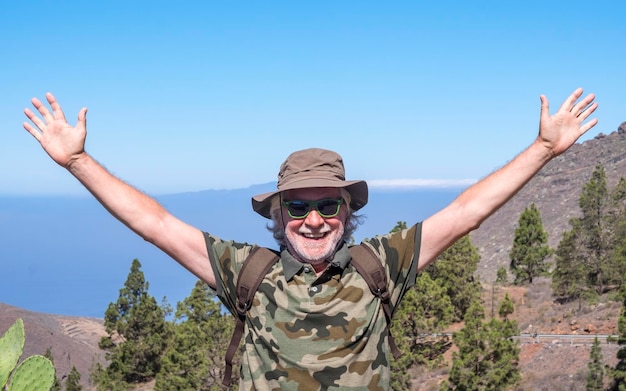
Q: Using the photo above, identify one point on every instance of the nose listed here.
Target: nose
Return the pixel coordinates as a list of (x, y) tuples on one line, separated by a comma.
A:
[(314, 219)]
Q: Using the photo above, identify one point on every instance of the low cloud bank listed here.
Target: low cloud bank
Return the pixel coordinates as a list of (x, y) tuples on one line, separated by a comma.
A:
[(419, 183)]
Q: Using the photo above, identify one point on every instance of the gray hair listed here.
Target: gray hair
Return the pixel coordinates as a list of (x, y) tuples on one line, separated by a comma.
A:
[(278, 230)]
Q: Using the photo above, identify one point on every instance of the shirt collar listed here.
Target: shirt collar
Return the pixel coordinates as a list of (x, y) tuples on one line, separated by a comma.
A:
[(292, 266)]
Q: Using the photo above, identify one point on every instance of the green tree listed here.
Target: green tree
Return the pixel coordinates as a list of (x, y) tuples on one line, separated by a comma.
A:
[(442, 294), (468, 366), (426, 310), (505, 352), (488, 357), (454, 269), (501, 276), (618, 220), (569, 278), (194, 360), (594, 202), (619, 372), (619, 257), (72, 383), (137, 335), (595, 377), (530, 250), (591, 256), (400, 225), (506, 307)]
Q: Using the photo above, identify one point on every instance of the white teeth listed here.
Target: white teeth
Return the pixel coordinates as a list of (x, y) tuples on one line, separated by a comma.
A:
[(314, 236)]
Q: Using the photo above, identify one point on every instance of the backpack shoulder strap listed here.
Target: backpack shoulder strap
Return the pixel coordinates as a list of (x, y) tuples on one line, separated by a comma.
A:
[(371, 269), (255, 267)]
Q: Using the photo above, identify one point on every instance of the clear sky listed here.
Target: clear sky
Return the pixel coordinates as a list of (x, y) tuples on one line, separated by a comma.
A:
[(194, 95)]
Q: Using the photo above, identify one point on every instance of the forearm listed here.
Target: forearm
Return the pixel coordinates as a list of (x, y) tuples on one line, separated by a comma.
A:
[(557, 133), (145, 216), (483, 198), (135, 209), (479, 201)]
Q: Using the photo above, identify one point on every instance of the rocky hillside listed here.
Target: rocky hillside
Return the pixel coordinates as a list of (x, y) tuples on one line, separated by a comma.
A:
[(73, 341), (555, 191), (555, 360)]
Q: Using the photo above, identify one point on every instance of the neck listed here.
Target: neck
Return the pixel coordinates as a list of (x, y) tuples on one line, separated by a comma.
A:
[(320, 267)]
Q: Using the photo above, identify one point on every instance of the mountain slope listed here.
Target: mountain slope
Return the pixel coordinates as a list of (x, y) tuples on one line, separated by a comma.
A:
[(555, 191), (73, 341)]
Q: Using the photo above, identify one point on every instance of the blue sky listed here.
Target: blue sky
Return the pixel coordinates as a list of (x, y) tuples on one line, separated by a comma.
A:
[(186, 96)]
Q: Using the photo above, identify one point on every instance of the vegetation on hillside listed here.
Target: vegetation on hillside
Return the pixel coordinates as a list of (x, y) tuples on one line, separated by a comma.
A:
[(137, 336), (590, 257), (530, 247), (595, 377), (488, 356)]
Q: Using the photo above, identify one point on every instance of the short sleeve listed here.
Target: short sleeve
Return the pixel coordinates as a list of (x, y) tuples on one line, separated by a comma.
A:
[(399, 252), (226, 258)]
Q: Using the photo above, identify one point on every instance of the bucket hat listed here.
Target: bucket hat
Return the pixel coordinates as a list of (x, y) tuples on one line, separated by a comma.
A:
[(313, 167)]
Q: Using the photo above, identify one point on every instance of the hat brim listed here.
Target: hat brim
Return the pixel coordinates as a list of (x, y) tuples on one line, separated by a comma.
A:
[(358, 193)]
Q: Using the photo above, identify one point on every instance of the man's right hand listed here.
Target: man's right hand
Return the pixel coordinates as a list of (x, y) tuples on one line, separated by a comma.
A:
[(59, 139)]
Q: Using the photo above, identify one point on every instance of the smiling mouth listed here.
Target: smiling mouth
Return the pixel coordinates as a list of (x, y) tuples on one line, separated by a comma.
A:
[(314, 236)]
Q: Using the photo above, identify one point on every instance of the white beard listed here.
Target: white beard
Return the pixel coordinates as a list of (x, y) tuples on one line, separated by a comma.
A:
[(313, 250)]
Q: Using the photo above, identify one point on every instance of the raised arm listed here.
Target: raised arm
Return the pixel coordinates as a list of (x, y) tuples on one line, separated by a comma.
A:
[(141, 213), (556, 134)]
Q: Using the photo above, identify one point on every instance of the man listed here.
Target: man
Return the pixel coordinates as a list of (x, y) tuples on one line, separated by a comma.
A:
[(314, 323)]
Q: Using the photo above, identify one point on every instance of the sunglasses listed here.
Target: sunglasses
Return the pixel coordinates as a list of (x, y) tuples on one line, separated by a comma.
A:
[(327, 208)]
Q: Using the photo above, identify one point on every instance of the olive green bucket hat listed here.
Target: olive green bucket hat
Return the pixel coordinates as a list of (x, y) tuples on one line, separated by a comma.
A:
[(309, 168)]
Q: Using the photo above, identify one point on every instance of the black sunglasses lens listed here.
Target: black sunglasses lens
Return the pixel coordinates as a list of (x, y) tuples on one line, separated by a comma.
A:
[(298, 208), (328, 207)]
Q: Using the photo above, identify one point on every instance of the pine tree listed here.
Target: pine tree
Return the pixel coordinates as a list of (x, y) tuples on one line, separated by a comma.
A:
[(72, 383), (137, 335), (194, 360), (619, 372), (619, 256), (506, 307), (501, 276), (591, 256), (454, 269), (425, 311), (595, 377), (468, 364), (400, 225), (488, 356), (569, 278), (594, 203), (530, 250), (505, 352), (618, 220)]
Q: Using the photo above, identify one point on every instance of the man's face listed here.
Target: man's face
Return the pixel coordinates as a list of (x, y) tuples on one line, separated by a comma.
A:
[(314, 238)]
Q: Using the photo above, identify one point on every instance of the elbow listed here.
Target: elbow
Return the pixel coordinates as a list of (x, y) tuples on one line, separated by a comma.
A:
[(475, 222), (473, 227), (152, 229), (470, 217)]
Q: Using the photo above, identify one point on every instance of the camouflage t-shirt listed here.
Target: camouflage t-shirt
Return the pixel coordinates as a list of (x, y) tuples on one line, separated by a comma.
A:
[(309, 332)]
